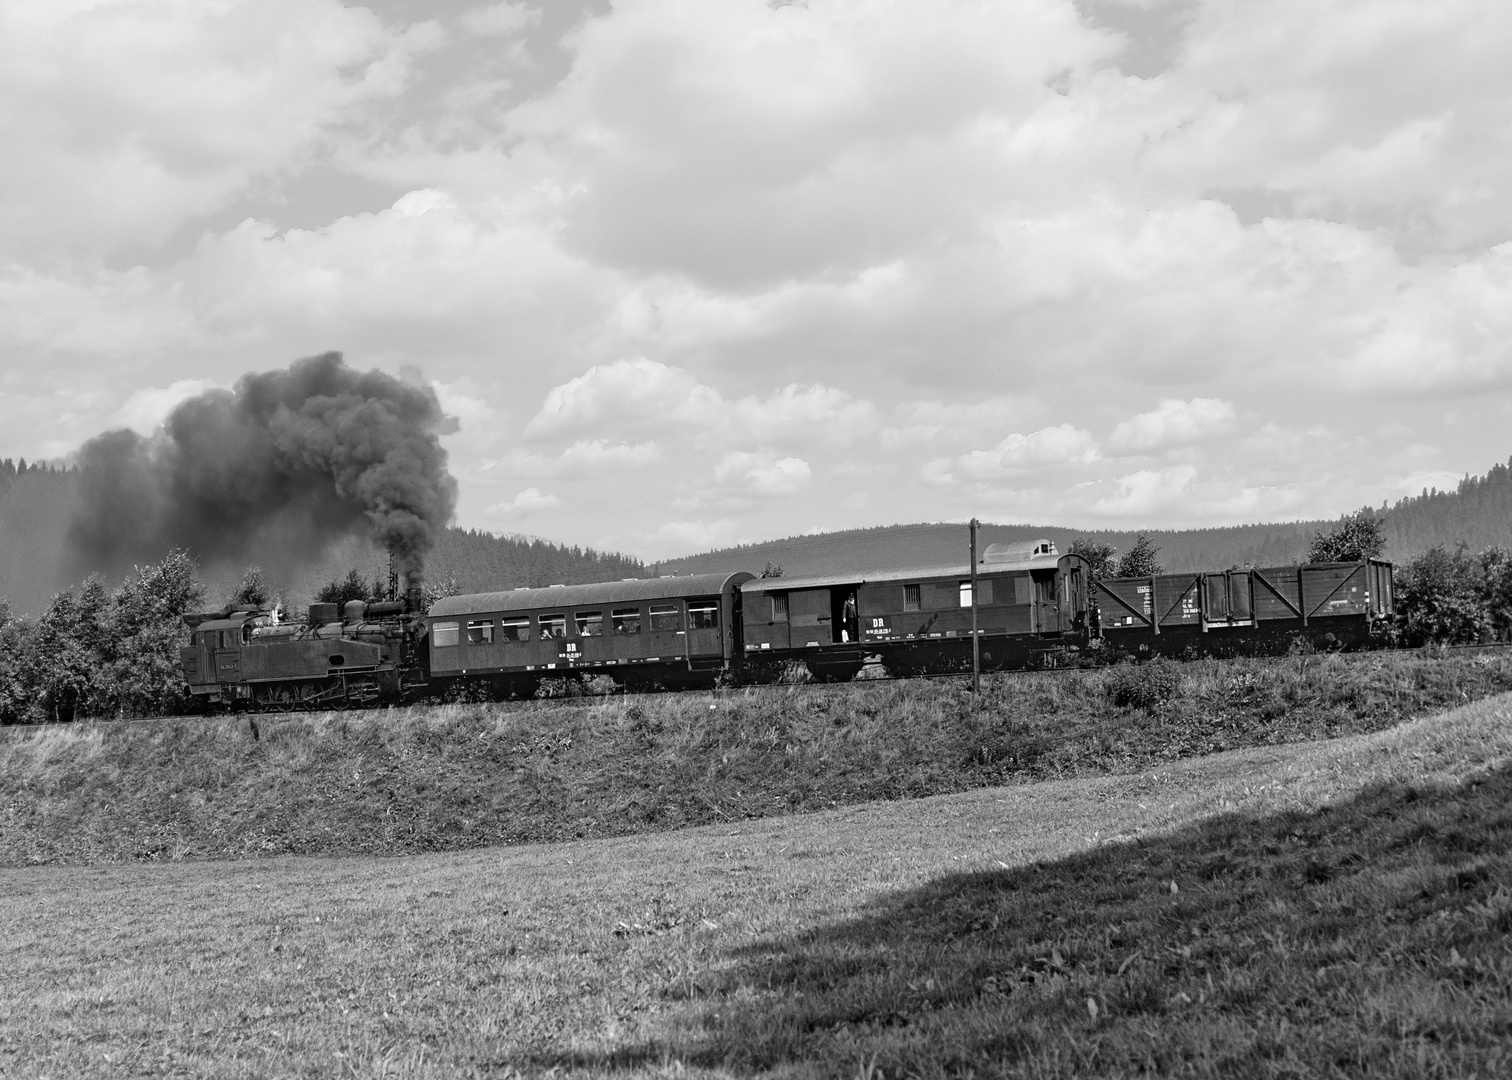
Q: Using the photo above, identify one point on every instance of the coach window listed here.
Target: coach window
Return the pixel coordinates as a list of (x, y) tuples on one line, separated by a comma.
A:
[(1023, 590), (552, 626), (514, 629), (703, 614), (779, 607), (480, 632), (911, 598), (965, 594), (665, 617), (444, 634), (627, 620), (590, 623)]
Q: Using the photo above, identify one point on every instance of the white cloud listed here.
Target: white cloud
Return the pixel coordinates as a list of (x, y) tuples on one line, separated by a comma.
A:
[(145, 410), (418, 203), (503, 19), (527, 503), (1173, 423), (1149, 492), (763, 474), (598, 455), (1049, 448), (640, 395), (637, 394), (122, 120)]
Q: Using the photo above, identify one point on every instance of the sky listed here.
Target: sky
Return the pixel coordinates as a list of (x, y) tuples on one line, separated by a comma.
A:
[(698, 272)]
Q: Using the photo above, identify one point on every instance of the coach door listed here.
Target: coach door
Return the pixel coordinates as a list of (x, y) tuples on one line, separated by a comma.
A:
[(810, 617), (1047, 608), (704, 628)]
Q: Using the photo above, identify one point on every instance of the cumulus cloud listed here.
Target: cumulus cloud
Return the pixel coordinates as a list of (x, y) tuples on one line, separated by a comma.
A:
[(146, 409), (762, 474), (596, 455), (500, 20), (627, 394), (1148, 492), (1017, 455), (527, 503), (1173, 423), (122, 120), (642, 395)]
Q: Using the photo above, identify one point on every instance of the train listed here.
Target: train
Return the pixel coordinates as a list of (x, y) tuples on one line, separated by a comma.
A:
[(1026, 606)]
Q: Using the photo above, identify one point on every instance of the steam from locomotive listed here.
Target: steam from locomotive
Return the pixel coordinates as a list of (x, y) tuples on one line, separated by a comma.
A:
[(289, 460)]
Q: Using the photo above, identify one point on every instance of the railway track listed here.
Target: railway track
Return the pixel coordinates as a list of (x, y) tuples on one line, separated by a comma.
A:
[(588, 700)]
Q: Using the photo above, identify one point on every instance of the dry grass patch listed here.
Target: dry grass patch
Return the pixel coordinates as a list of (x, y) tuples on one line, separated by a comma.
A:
[(1340, 908)]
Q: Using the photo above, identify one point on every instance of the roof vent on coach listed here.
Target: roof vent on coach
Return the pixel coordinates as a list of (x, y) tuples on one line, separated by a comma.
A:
[(1020, 551)]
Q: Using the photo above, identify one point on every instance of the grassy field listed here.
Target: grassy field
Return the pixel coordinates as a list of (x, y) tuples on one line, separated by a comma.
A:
[(1329, 908), (464, 776)]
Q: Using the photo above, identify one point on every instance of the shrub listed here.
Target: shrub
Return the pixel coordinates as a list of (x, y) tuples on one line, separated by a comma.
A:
[(1144, 686), (1356, 536), (1440, 598), (1139, 560)]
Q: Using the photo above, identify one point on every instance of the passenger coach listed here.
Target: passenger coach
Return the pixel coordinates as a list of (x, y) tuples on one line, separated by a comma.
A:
[(669, 631)]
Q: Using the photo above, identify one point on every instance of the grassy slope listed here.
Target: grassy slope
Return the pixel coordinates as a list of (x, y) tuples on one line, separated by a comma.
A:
[(463, 776), (1340, 908)]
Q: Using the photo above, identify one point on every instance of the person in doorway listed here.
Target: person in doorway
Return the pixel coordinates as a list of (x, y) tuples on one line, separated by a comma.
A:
[(848, 620)]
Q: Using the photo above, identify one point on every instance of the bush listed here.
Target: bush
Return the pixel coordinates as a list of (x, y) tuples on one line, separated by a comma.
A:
[(99, 653), (1139, 560), (1440, 598), (1357, 536), (1144, 686)]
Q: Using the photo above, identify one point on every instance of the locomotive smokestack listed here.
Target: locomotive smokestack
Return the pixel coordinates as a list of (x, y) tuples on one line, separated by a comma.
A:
[(288, 462)]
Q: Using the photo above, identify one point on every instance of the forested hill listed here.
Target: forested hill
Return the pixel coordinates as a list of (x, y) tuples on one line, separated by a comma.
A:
[(1477, 513), (482, 562), (941, 544)]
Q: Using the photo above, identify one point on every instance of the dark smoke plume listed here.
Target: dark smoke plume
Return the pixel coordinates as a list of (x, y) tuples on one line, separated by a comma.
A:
[(282, 466)]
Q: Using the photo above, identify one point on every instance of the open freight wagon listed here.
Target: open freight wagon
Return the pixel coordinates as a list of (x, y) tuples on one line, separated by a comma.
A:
[(1245, 612)]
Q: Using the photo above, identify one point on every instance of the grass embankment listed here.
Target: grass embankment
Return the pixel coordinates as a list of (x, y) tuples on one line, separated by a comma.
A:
[(461, 776), (1339, 908)]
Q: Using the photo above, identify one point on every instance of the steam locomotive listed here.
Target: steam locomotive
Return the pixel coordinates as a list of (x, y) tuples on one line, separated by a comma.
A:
[(1026, 606)]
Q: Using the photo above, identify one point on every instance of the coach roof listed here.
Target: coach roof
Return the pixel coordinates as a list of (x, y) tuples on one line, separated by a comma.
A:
[(913, 573), (571, 596)]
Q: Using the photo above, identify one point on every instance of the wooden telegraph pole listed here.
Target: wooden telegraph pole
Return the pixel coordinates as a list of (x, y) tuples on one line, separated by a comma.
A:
[(976, 644)]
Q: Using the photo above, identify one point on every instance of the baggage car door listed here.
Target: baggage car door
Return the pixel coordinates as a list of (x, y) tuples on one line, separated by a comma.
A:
[(1047, 604), (810, 617)]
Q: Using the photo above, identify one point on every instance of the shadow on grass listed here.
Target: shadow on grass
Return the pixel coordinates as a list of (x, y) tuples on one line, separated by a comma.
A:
[(1368, 938)]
